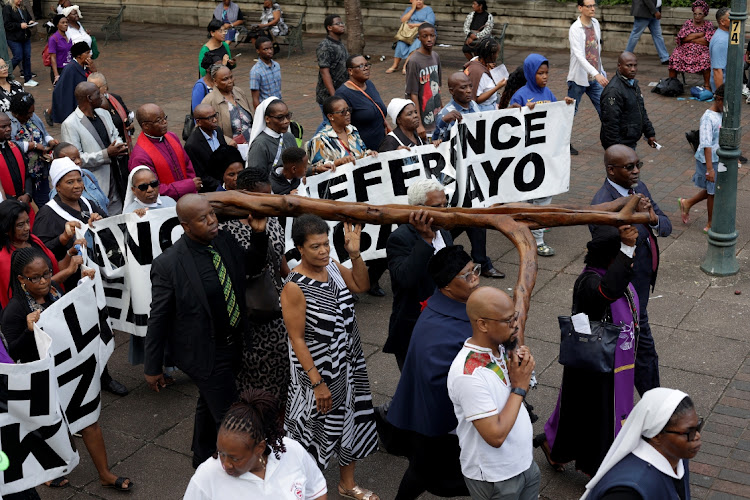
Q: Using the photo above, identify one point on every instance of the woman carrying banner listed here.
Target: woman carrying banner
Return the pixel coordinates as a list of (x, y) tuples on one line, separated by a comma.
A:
[(329, 410), (404, 116), (15, 233), (266, 365), (33, 292), (594, 404)]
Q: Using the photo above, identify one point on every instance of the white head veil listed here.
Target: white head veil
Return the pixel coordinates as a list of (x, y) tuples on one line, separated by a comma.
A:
[(647, 419), (259, 120), (129, 196), (395, 107)]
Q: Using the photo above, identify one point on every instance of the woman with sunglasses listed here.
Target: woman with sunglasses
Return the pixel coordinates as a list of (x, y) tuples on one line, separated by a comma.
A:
[(33, 292), (368, 110), (338, 142), (592, 406), (143, 192), (649, 458)]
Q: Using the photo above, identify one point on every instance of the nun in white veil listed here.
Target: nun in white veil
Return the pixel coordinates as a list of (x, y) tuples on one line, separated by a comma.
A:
[(270, 134), (649, 458), (143, 192)]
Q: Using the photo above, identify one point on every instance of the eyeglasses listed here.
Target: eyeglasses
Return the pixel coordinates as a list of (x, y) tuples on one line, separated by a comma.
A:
[(46, 276), (4, 66), (690, 432), (161, 119), (468, 275), (144, 187), (344, 111), (281, 118), (209, 117), (630, 166), (590, 6), (508, 321), (361, 66), (340, 23)]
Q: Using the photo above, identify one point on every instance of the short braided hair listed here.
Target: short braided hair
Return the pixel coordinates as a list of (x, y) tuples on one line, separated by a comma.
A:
[(258, 414), (18, 262), (251, 178)]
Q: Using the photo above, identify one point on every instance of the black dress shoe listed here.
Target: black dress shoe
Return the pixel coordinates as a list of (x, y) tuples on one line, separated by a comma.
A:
[(573, 151), (116, 388), (742, 160), (493, 273), (376, 291)]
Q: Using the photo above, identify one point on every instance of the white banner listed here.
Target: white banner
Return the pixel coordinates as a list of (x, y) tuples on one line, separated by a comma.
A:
[(513, 155), (33, 432), (82, 342)]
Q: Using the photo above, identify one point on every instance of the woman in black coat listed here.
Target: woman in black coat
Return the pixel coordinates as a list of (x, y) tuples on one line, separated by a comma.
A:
[(18, 22)]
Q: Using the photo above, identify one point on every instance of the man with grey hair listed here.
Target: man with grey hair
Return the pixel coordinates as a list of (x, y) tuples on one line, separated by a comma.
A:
[(409, 248)]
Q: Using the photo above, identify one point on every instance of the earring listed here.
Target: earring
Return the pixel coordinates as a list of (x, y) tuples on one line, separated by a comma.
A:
[(23, 286)]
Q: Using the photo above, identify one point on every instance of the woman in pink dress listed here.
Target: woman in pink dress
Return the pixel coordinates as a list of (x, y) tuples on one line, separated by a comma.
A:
[(691, 54)]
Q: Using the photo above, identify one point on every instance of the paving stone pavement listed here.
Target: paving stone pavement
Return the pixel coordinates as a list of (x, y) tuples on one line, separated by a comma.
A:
[(699, 323)]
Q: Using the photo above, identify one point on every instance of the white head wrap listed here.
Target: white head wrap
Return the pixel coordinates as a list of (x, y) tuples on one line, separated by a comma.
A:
[(67, 10), (259, 120), (395, 107), (130, 196), (647, 419), (60, 167)]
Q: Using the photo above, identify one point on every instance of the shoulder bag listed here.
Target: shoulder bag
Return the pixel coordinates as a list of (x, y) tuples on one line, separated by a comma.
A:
[(406, 33), (351, 86), (261, 294)]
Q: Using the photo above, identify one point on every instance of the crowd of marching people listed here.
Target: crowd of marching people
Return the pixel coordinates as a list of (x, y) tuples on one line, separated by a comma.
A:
[(275, 351)]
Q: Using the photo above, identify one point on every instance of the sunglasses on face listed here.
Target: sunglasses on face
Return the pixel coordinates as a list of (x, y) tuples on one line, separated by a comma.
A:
[(344, 111), (146, 185), (690, 432), (630, 166), (281, 118)]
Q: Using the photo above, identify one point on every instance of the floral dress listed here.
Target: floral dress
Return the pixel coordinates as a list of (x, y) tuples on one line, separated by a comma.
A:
[(38, 166), (5, 95), (691, 57), (242, 121)]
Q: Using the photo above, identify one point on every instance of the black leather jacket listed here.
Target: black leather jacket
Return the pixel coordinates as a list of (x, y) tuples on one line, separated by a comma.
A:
[(624, 117)]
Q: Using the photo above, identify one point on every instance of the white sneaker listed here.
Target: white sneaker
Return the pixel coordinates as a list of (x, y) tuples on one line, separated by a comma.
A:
[(31, 83), (745, 91)]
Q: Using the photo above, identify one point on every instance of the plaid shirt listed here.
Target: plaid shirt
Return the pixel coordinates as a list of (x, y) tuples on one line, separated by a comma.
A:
[(266, 79)]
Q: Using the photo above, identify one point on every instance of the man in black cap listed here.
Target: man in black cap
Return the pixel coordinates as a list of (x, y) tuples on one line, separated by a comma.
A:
[(421, 409), (76, 71)]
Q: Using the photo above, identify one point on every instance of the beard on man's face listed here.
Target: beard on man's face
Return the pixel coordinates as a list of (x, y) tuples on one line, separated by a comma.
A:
[(511, 344)]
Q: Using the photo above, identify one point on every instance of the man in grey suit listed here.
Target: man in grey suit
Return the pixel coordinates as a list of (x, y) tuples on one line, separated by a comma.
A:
[(92, 131)]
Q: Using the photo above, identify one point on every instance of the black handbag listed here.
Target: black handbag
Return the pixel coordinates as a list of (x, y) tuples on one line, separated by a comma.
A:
[(595, 352), (262, 296), (188, 127)]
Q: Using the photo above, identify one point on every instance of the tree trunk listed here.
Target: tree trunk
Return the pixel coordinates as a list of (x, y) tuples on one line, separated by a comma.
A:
[(355, 33)]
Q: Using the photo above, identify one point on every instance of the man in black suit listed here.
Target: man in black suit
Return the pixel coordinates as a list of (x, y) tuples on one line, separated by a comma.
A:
[(205, 138), (198, 313), (623, 172), (409, 248)]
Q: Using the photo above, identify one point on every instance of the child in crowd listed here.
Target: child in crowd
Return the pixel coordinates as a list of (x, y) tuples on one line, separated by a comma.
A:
[(706, 160), (536, 71), (424, 79), (287, 178), (265, 76)]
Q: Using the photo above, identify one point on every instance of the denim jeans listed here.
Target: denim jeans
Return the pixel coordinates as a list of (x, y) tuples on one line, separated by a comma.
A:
[(653, 25), (594, 91), (21, 55), (323, 123)]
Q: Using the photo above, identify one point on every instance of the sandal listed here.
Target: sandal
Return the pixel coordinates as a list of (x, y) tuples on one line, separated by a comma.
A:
[(541, 441), (118, 485), (60, 482), (706, 229), (391, 70), (545, 250), (358, 493), (685, 215)]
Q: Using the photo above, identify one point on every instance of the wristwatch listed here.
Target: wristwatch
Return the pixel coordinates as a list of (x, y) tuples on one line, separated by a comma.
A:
[(519, 391)]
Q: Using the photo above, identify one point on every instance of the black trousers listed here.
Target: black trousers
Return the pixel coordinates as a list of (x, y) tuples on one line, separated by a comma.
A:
[(478, 239), (646, 359), (434, 466), (215, 395)]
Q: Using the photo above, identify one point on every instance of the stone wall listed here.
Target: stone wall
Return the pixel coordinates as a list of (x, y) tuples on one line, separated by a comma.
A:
[(534, 24)]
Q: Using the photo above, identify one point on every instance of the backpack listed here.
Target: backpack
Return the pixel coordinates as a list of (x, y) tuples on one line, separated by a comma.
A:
[(669, 87), (296, 129)]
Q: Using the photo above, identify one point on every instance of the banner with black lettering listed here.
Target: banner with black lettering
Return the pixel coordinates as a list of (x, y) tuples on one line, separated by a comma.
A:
[(33, 432), (124, 248), (513, 155), (82, 342), (377, 180)]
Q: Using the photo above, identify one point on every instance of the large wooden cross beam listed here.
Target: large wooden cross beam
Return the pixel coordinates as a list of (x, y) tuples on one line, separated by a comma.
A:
[(514, 220)]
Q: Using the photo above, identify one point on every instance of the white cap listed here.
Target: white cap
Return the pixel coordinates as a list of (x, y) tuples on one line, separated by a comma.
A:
[(395, 107), (60, 168)]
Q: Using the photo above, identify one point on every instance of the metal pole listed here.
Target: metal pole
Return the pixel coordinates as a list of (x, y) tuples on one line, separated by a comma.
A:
[(722, 237)]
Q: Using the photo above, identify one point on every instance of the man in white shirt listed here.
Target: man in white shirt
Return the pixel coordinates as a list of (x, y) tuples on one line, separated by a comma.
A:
[(586, 73), (487, 383)]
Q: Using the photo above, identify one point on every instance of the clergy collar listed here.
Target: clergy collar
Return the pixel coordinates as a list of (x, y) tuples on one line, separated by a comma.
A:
[(272, 133), (649, 454), (153, 138)]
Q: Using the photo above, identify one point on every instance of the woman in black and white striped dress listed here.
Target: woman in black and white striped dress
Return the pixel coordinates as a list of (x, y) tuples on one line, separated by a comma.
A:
[(329, 385)]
